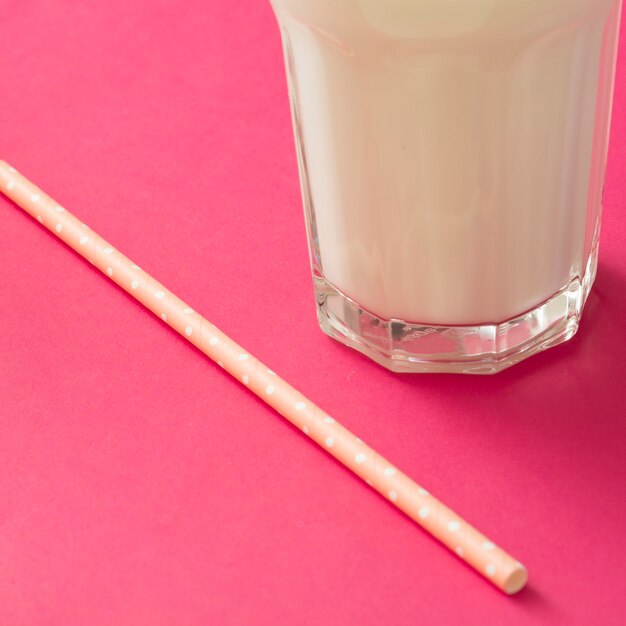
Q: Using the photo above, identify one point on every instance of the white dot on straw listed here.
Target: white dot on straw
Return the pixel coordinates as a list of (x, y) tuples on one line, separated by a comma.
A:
[(188, 331), (459, 551), (188, 309), (490, 569), (360, 458), (39, 219), (220, 364), (389, 471), (270, 389), (243, 357), (58, 228), (329, 442), (423, 512), (214, 341), (134, 284), (12, 169), (329, 420), (305, 430), (159, 295), (422, 492), (300, 406), (489, 545), (110, 271), (246, 379), (10, 185), (454, 526), (271, 373), (164, 317), (393, 496), (35, 197), (59, 209), (135, 267), (83, 240), (108, 250)]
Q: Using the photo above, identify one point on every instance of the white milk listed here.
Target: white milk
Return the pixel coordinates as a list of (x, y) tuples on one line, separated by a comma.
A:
[(455, 149)]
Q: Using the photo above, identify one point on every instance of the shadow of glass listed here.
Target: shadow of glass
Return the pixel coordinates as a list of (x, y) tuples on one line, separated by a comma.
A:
[(593, 359)]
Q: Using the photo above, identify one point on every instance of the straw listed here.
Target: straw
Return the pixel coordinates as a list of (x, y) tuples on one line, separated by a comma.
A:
[(464, 540)]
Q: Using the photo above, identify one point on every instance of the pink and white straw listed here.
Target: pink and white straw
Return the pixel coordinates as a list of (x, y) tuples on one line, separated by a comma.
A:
[(464, 540)]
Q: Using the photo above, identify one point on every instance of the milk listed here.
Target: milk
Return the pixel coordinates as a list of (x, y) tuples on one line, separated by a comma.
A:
[(452, 152)]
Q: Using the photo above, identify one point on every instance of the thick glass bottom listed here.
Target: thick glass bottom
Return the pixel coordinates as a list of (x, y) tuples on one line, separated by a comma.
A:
[(402, 346)]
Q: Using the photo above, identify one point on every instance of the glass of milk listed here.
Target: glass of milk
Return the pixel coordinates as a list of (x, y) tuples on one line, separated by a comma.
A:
[(452, 157)]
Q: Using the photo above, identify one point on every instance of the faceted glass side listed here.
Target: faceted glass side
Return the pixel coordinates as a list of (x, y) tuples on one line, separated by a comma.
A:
[(486, 349)]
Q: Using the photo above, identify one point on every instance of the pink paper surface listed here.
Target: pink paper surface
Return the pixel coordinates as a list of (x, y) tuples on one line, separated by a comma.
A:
[(139, 483)]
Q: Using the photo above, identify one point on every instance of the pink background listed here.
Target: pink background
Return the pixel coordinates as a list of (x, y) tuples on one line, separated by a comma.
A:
[(139, 484)]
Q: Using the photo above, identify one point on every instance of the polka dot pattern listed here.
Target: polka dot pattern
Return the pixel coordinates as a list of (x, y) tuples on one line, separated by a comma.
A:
[(459, 536)]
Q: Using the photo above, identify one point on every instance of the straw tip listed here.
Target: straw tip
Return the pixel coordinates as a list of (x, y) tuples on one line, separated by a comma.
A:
[(516, 580)]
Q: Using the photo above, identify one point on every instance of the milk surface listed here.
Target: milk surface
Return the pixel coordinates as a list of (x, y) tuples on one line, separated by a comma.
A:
[(453, 151)]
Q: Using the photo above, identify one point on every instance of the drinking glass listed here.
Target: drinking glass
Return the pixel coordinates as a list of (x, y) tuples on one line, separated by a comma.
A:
[(452, 157)]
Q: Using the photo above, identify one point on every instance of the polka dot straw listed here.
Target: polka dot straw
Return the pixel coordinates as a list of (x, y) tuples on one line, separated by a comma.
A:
[(463, 539)]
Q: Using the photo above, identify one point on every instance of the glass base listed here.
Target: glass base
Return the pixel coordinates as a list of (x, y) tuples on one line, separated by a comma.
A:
[(409, 347)]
